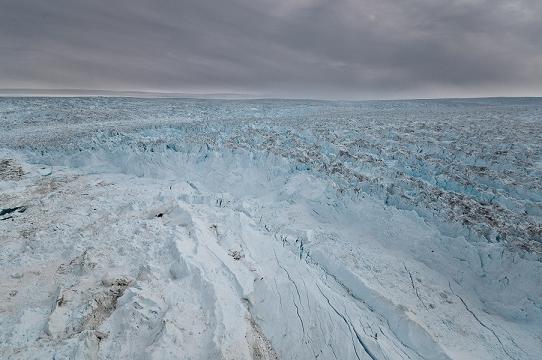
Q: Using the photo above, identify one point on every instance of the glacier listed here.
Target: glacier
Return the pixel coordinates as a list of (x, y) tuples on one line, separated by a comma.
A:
[(270, 229)]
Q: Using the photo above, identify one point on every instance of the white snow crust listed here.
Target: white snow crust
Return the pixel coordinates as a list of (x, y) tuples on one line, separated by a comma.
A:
[(185, 229)]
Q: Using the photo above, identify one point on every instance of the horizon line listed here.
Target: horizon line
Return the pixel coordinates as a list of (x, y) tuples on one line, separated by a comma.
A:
[(144, 94)]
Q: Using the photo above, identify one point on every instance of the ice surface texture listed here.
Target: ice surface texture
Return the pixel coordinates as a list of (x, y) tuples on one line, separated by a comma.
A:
[(207, 229), (473, 166)]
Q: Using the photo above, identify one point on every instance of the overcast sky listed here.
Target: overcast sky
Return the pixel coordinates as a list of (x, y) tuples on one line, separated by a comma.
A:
[(291, 48)]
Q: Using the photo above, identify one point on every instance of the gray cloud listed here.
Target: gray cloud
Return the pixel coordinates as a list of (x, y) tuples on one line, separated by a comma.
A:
[(312, 48)]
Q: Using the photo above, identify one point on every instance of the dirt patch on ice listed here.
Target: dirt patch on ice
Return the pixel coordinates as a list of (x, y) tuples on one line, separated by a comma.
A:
[(261, 348), (9, 170), (78, 308)]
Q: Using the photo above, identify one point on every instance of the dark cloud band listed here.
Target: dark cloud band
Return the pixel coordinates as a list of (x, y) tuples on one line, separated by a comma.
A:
[(313, 48)]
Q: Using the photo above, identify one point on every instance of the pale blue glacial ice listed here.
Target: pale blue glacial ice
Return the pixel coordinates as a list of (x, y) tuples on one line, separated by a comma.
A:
[(392, 229)]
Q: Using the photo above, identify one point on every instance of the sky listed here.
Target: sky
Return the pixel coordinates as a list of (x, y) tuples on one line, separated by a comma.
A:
[(351, 49)]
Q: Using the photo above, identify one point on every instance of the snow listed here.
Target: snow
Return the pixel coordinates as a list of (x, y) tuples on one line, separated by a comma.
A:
[(194, 229)]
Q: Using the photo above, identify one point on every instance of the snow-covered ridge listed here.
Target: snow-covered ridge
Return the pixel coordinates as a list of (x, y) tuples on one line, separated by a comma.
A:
[(261, 238)]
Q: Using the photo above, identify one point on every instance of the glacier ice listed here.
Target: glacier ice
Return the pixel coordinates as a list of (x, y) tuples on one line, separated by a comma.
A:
[(178, 228)]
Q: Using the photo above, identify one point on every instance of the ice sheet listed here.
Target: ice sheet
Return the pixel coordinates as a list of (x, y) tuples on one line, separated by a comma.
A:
[(270, 229)]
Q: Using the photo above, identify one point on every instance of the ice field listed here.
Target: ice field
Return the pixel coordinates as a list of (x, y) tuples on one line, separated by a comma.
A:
[(270, 229)]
